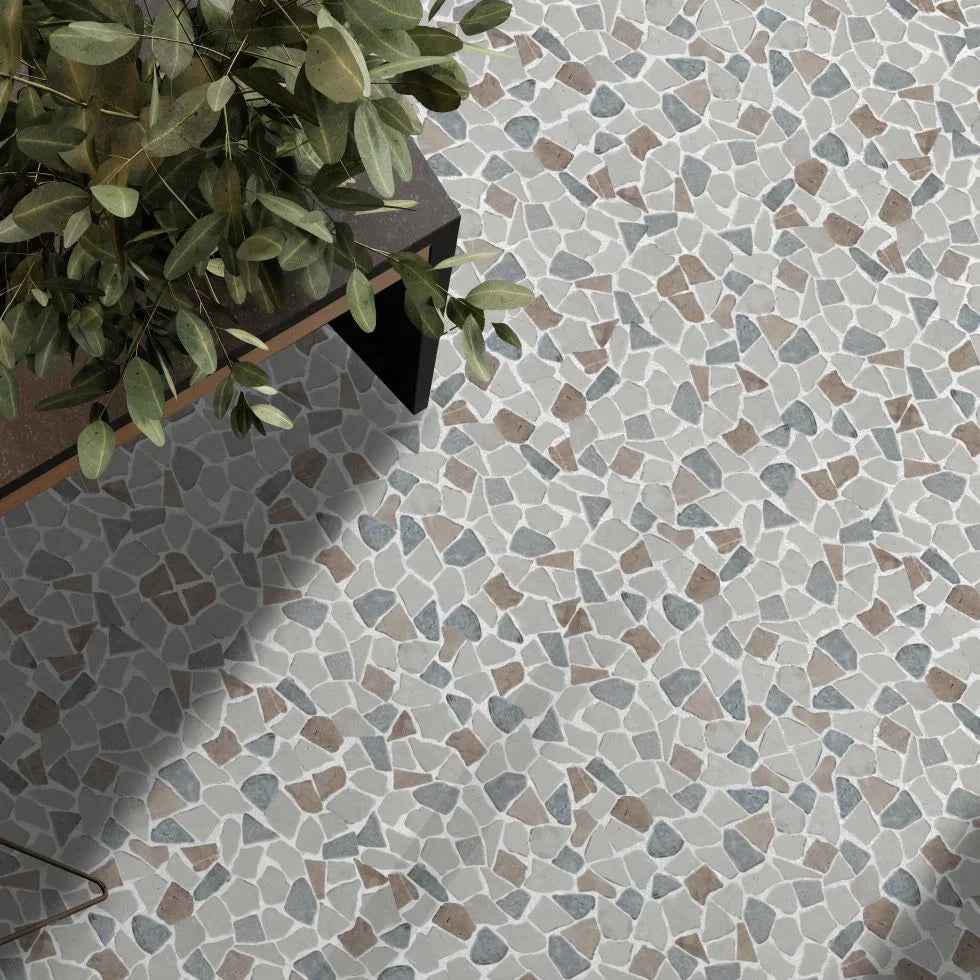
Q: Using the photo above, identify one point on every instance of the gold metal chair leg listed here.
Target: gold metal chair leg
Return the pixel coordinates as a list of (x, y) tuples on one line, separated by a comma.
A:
[(35, 926)]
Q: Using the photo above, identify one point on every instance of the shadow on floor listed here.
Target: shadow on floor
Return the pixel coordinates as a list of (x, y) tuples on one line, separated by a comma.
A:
[(138, 617)]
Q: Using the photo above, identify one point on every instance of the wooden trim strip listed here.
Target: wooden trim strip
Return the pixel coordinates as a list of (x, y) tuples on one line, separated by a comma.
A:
[(188, 396)]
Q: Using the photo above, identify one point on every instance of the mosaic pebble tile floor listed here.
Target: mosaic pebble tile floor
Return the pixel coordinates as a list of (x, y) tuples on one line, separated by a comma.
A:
[(656, 657)]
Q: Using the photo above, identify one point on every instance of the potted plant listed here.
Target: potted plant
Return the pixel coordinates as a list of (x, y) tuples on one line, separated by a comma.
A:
[(161, 166)]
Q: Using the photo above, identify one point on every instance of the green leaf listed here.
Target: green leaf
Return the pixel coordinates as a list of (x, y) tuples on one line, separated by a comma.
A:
[(335, 65), (360, 300), (483, 16), (434, 40), (269, 85), (9, 393), (475, 351), (95, 445), (392, 68), (507, 335), (45, 143), (241, 417), (246, 337), (196, 339), (373, 147), (249, 375), (120, 201), (313, 222), (417, 275), (394, 114), (498, 294), (49, 345), (222, 397), (328, 135), (299, 251), (76, 226), (226, 195), (266, 243), (315, 278), (271, 415), (11, 30), (11, 233), (47, 208), (91, 382), (8, 349), (220, 91), (463, 259), (423, 314), (172, 32), (85, 325), (350, 199), (144, 398), (388, 15), (433, 92), (184, 126), (90, 42), (435, 8), (387, 45), (195, 245)]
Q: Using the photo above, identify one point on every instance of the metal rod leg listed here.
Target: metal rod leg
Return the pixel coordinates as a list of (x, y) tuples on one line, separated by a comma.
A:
[(34, 927)]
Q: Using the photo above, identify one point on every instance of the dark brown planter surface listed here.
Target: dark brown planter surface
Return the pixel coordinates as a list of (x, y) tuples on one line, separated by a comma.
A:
[(37, 449)]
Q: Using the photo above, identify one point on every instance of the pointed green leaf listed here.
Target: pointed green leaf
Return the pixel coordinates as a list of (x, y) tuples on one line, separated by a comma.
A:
[(474, 349), (484, 16), (507, 334), (435, 8), (392, 68), (184, 126), (195, 245), (271, 415), (222, 397), (241, 417), (498, 294), (85, 326), (394, 113), (11, 31), (434, 40), (8, 349), (313, 222), (120, 201), (46, 143), (299, 251), (90, 383), (219, 92), (93, 43), (432, 91), (246, 337), (226, 195), (144, 398), (266, 243), (269, 85), (47, 208), (249, 375), (95, 445), (172, 32), (350, 199), (314, 279), (373, 147), (196, 339), (463, 259), (328, 135), (360, 300), (11, 233), (76, 226), (9, 393), (335, 66), (388, 15)]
